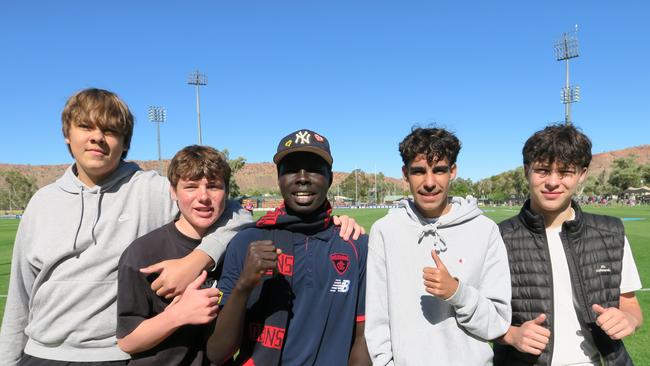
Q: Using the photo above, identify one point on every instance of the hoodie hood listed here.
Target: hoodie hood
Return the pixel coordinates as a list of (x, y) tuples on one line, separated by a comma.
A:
[(70, 183), (462, 210)]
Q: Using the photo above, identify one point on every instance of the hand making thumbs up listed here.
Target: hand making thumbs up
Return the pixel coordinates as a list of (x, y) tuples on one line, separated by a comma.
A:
[(437, 281)]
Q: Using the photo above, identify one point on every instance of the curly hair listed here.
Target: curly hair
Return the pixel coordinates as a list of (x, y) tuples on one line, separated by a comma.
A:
[(434, 143), (559, 143)]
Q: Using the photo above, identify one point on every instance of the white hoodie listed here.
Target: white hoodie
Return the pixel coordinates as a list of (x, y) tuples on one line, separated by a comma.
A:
[(405, 325), (63, 284)]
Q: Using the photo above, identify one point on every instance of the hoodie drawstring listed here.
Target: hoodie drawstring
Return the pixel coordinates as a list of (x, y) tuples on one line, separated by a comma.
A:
[(81, 218), (97, 214), (438, 241)]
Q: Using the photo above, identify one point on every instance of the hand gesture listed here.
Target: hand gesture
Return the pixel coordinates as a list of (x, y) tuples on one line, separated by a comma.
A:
[(261, 257), (530, 337), (348, 227), (437, 281), (174, 276), (616, 323), (195, 305)]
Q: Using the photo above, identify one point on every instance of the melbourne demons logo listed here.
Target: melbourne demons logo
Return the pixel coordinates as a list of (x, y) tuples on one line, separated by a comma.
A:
[(341, 262)]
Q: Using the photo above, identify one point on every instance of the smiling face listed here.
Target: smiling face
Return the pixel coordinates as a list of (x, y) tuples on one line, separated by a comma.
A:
[(201, 203), (97, 152), (551, 187), (304, 179), (429, 184)]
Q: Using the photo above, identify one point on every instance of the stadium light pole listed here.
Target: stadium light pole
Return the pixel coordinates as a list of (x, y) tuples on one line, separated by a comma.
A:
[(158, 115), (197, 79), (565, 49)]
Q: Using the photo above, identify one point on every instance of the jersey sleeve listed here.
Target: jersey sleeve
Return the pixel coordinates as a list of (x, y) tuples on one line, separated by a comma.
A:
[(630, 280), (134, 295), (233, 264)]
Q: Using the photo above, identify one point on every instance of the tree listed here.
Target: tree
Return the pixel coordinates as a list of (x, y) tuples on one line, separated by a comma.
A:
[(598, 185), (235, 165), (18, 190), (645, 174), (625, 173), (355, 185), (461, 187)]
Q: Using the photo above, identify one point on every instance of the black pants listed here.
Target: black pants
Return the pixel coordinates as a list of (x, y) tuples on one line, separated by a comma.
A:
[(28, 360)]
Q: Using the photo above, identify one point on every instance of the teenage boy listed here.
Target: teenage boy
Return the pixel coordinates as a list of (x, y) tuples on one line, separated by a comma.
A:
[(293, 289), (149, 328), (465, 298), (573, 274), (61, 306)]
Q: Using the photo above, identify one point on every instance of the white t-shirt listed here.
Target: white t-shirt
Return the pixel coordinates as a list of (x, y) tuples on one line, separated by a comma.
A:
[(573, 345)]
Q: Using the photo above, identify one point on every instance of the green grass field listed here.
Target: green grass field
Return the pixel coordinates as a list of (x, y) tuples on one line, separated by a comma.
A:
[(638, 232)]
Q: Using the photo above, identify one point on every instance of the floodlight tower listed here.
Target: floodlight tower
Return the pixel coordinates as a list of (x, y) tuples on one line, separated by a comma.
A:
[(198, 79), (565, 49), (158, 115)]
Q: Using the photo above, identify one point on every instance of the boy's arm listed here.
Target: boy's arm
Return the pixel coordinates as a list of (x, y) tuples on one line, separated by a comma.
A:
[(485, 311), (229, 329), (377, 330), (175, 274), (195, 306), (359, 354), (16, 312)]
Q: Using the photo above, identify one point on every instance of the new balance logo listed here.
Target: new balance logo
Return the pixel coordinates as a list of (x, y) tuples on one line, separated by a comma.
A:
[(340, 285)]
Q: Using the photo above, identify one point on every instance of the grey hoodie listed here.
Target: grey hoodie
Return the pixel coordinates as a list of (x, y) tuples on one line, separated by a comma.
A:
[(405, 325), (63, 285)]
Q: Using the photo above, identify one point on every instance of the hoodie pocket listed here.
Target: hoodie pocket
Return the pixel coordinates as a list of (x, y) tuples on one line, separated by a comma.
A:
[(76, 313)]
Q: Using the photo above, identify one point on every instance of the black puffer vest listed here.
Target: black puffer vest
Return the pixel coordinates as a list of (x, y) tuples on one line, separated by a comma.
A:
[(593, 245)]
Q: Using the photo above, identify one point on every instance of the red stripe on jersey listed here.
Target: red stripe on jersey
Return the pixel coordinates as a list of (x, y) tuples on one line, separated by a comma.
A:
[(249, 362), (361, 318)]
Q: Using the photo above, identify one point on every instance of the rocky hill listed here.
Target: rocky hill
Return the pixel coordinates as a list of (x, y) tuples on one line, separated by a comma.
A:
[(262, 176)]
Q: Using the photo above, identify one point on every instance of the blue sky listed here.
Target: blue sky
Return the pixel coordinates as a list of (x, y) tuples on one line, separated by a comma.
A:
[(359, 72)]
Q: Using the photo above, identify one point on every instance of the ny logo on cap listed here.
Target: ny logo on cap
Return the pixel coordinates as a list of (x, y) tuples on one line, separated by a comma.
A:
[(302, 137)]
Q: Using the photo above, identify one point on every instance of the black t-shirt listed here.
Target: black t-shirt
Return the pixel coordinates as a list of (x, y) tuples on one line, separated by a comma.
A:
[(136, 301)]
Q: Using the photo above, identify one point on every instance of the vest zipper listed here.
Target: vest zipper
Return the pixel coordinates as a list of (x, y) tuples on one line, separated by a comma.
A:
[(551, 339)]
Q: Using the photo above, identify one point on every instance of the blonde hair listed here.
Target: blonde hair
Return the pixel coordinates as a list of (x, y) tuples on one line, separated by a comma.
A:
[(102, 109)]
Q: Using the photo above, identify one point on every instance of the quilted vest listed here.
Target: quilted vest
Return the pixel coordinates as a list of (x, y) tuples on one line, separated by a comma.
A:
[(593, 245)]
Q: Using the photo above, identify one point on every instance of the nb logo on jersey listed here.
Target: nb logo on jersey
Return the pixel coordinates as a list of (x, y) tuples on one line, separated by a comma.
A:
[(340, 285)]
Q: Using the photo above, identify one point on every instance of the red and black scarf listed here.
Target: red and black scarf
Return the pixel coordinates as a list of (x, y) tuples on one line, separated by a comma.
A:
[(271, 302)]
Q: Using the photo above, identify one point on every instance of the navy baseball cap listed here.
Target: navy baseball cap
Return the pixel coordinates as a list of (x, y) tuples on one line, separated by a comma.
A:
[(304, 140)]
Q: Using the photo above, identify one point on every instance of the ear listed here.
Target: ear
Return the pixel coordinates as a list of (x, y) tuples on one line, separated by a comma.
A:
[(172, 192), (67, 140), (453, 171), (405, 171), (583, 175), (331, 173)]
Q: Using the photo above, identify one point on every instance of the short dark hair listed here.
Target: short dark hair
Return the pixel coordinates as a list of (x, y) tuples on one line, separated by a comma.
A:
[(100, 108), (434, 143), (195, 162), (558, 143)]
